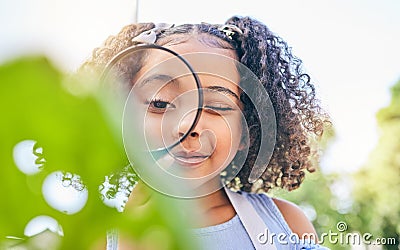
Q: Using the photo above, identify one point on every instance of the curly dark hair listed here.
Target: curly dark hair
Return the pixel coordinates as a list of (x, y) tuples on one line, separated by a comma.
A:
[(300, 120)]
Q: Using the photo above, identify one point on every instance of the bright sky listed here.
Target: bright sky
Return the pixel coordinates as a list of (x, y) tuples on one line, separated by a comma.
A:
[(350, 47)]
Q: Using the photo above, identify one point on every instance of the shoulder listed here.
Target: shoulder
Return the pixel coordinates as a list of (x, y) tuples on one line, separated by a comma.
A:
[(295, 218), (287, 214)]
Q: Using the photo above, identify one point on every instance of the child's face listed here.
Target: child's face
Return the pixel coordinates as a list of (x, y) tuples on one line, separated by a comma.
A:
[(171, 107)]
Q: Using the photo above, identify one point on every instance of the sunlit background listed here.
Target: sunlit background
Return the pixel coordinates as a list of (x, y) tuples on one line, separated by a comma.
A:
[(350, 48)]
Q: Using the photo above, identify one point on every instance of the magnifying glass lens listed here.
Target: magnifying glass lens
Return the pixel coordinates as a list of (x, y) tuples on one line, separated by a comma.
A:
[(162, 106)]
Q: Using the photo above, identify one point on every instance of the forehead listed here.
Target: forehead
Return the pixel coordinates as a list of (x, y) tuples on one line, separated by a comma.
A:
[(208, 62)]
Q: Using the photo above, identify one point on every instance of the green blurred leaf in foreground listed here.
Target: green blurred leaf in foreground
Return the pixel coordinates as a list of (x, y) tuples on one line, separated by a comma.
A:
[(73, 135)]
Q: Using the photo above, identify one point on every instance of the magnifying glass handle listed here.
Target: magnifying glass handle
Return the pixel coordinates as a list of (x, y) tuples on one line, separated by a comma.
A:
[(159, 153)]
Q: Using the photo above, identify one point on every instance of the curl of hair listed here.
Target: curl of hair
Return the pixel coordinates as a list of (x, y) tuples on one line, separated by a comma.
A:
[(299, 116), (112, 46)]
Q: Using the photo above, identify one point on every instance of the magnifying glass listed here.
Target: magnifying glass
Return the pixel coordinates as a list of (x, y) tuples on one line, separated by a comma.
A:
[(165, 92), (149, 71)]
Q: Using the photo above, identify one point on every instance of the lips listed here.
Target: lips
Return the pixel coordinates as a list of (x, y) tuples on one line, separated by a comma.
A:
[(190, 159)]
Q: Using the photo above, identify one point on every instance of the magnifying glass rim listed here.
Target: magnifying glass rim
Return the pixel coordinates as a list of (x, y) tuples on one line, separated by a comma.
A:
[(123, 53)]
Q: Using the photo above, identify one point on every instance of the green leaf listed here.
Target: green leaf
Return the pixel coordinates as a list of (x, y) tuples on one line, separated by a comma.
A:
[(77, 133)]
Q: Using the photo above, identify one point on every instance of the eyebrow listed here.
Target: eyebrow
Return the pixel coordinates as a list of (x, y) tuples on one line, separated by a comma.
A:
[(168, 78), (162, 77), (223, 90)]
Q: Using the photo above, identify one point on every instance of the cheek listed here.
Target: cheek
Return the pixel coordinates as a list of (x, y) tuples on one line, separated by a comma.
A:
[(153, 131), (228, 135)]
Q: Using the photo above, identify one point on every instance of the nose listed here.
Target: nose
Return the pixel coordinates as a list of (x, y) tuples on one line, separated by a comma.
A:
[(185, 124)]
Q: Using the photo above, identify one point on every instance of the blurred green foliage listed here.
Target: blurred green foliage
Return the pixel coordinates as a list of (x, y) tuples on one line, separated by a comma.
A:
[(77, 136), (374, 202), (377, 184)]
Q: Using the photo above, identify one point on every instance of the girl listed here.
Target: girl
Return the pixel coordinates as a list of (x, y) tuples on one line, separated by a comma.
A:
[(221, 138)]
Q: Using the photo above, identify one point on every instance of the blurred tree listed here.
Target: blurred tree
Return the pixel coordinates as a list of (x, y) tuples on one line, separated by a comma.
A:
[(374, 205), (377, 184)]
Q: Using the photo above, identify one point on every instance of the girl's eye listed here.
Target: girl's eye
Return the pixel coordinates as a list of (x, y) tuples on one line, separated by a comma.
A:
[(217, 108), (159, 106)]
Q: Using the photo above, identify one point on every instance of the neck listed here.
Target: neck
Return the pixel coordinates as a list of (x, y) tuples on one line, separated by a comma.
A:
[(212, 209)]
